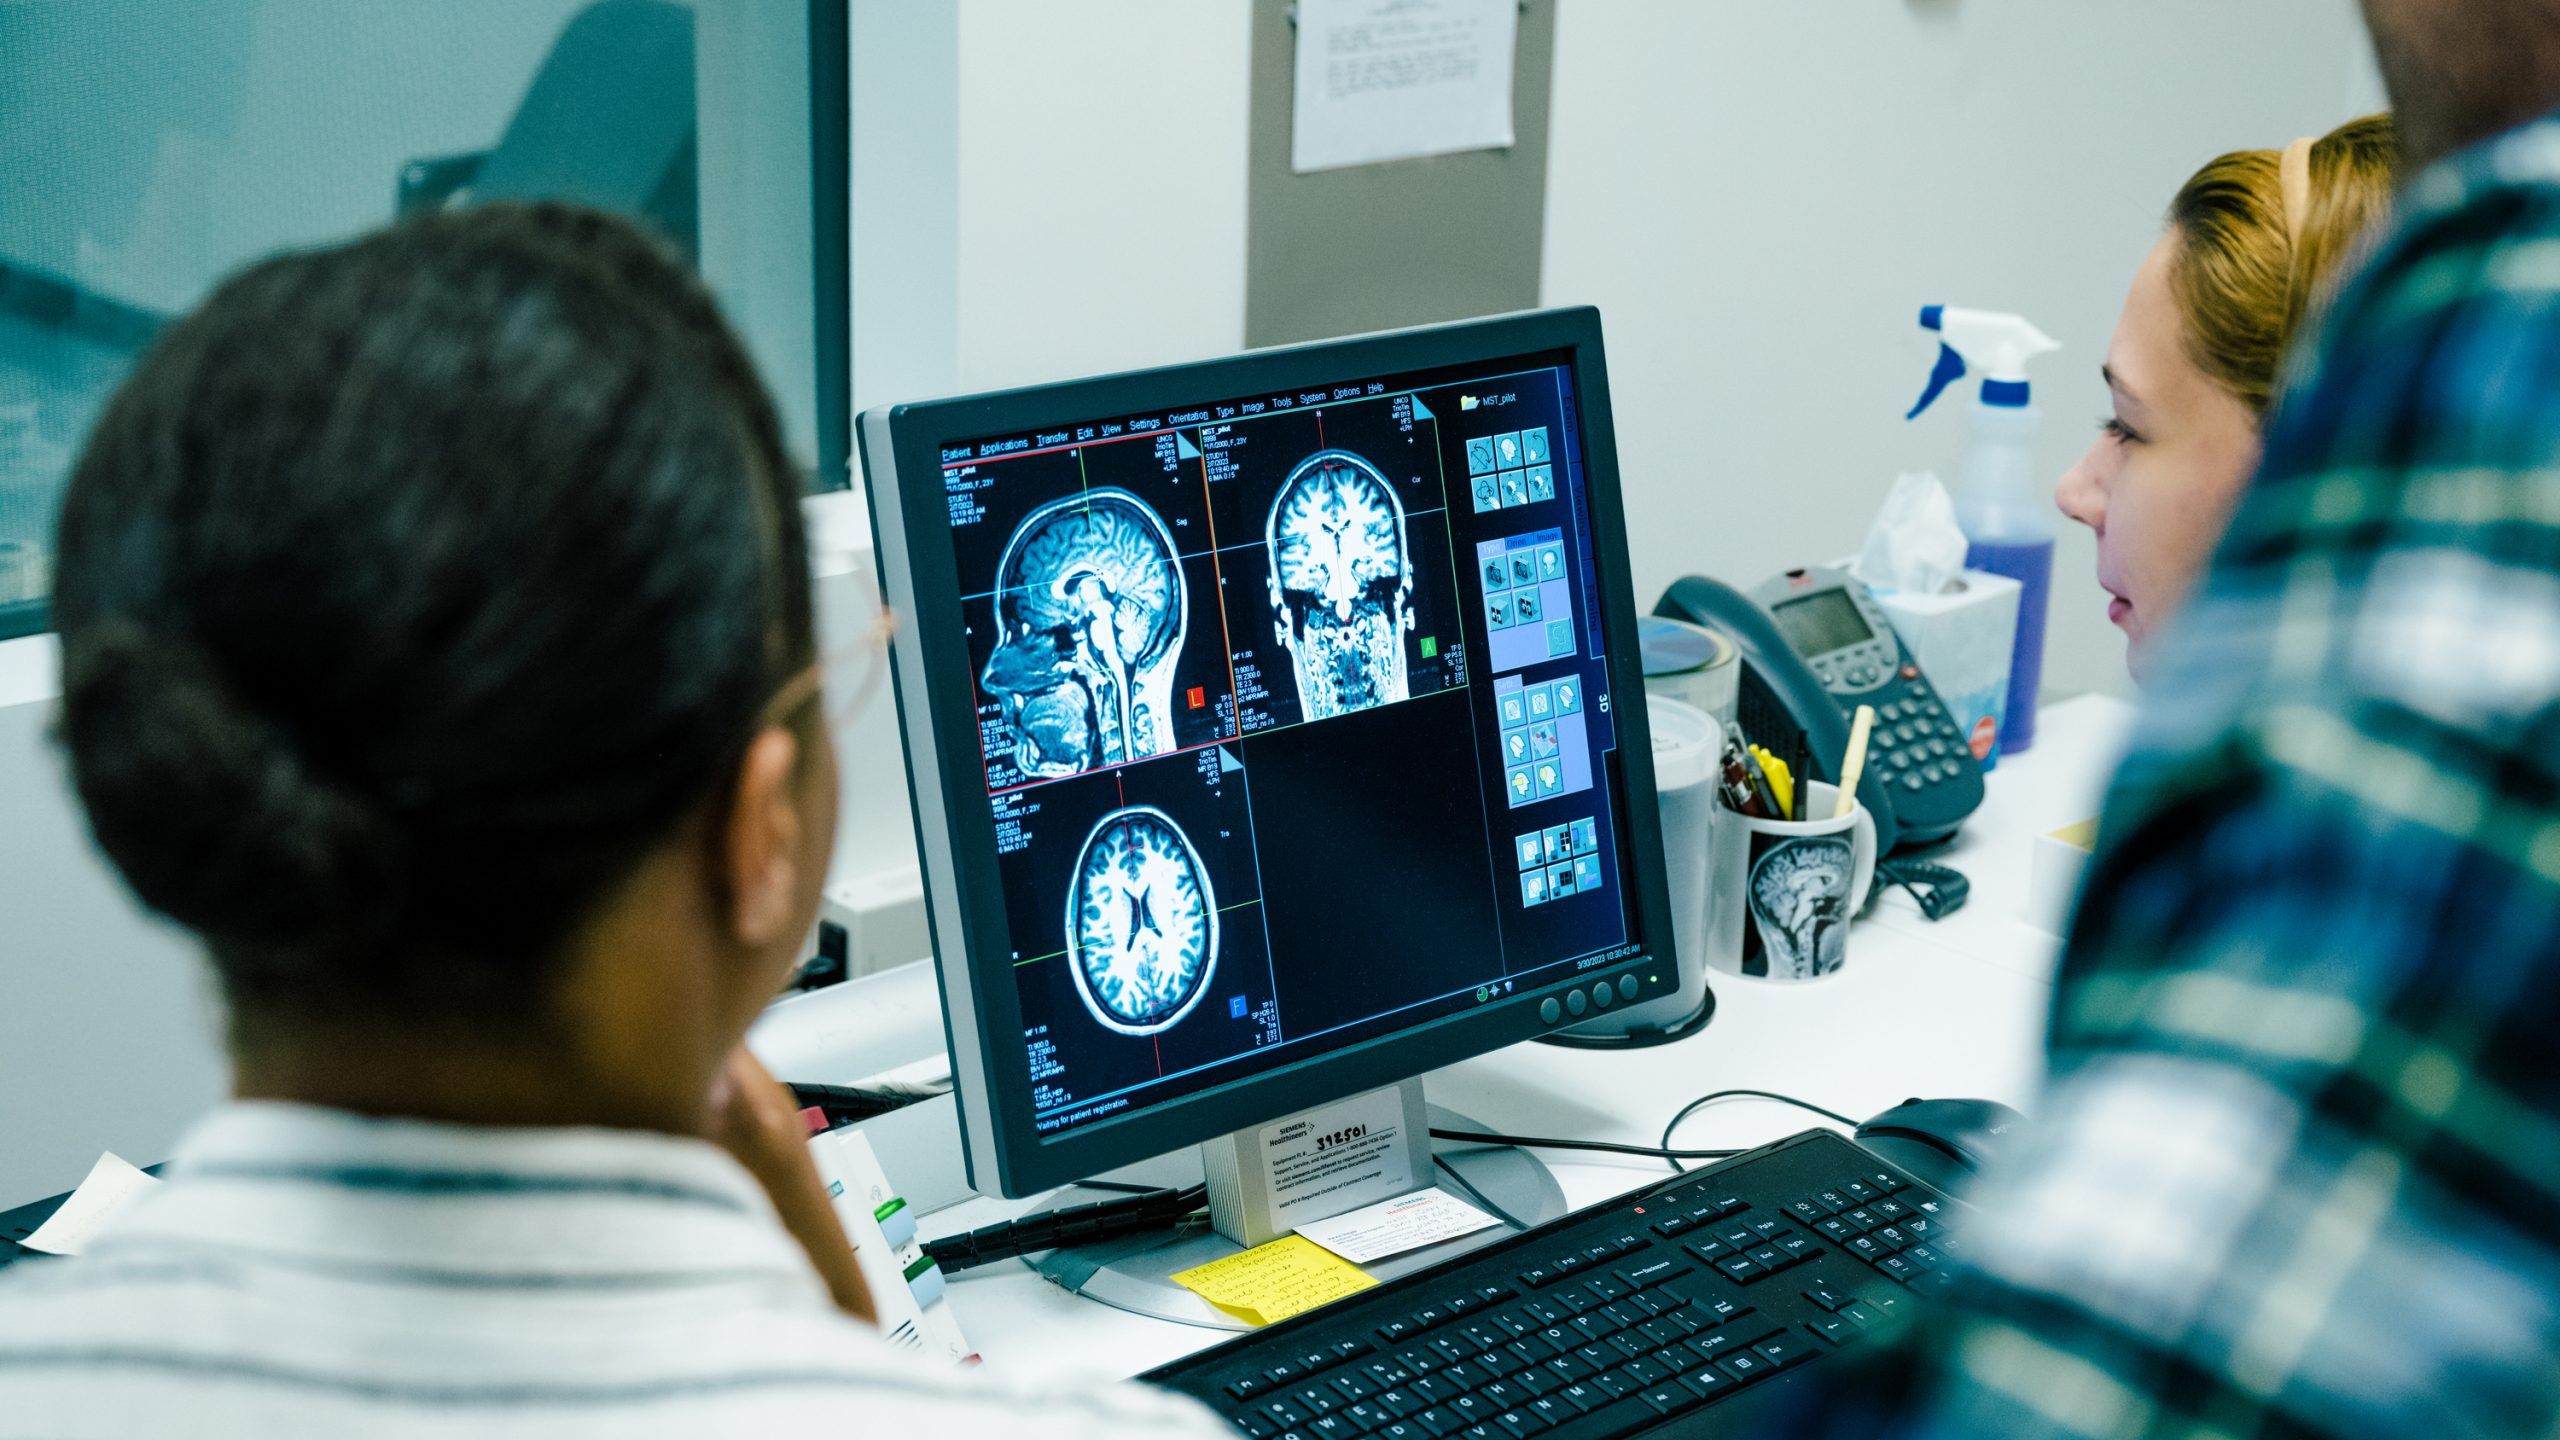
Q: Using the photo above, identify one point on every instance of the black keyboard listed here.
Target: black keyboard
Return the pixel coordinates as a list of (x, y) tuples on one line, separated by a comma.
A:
[(1615, 1320)]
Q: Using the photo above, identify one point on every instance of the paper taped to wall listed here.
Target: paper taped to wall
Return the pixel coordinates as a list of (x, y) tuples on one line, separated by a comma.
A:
[(1395, 79)]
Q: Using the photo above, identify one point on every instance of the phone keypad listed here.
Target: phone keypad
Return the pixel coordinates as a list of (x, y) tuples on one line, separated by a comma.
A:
[(1916, 747)]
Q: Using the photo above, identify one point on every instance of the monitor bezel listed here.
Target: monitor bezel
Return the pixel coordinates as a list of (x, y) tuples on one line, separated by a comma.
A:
[(901, 450)]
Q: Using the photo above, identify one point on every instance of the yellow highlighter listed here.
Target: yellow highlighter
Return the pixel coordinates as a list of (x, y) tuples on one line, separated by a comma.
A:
[(1782, 781)]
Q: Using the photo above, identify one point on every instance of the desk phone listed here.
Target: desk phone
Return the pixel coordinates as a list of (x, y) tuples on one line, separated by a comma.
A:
[(1816, 646)]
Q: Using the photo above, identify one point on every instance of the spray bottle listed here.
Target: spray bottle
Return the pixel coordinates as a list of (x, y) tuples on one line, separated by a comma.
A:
[(2006, 513)]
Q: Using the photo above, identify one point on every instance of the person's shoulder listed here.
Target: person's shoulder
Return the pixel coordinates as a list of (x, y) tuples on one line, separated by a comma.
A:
[(2468, 234), (90, 1348), (2523, 161), (901, 1379), (2421, 396), (977, 1398)]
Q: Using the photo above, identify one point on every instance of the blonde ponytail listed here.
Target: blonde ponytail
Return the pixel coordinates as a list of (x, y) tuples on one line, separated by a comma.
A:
[(2264, 234)]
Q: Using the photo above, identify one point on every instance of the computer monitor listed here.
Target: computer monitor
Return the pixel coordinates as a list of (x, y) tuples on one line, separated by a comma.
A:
[(1275, 728)]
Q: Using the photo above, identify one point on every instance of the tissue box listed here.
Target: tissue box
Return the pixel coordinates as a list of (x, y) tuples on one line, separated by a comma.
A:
[(1962, 639)]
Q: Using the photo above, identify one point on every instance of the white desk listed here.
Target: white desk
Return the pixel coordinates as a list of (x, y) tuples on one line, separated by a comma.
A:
[(1953, 1008)]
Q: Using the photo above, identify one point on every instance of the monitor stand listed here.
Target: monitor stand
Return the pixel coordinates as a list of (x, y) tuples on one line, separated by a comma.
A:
[(1135, 1273)]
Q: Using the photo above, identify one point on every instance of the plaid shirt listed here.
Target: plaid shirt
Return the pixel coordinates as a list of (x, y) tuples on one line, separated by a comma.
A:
[(2298, 1172)]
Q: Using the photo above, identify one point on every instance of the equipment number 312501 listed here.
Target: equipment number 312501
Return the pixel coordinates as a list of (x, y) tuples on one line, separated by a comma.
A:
[(1343, 1136)]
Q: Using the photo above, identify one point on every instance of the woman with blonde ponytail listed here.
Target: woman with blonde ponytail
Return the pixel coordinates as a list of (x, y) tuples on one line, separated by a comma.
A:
[(2254, 242)]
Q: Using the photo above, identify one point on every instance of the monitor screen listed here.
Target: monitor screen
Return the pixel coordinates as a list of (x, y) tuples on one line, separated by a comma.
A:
[(1276, 730), (1293, 717), (1822, 622)]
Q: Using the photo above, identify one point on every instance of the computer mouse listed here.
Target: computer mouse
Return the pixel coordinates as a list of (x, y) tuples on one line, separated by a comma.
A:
[(1942, 1142)]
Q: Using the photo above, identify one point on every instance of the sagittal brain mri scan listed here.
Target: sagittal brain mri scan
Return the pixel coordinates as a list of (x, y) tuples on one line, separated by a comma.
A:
[(1798, 894), (1142, 922), (1341, 583), (1090, 605)]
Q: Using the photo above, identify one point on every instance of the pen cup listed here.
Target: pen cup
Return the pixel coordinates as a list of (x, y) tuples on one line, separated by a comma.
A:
[(1784, 890)]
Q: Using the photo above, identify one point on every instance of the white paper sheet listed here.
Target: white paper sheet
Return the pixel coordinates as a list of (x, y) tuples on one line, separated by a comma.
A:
[(1394, 79), (1391, 1227), (113, 1184)]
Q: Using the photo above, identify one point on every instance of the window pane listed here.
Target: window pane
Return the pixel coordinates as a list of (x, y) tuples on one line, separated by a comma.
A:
[(149, 147)]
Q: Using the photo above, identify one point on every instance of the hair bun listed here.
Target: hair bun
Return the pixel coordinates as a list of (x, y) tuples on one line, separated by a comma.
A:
[(247, 844)]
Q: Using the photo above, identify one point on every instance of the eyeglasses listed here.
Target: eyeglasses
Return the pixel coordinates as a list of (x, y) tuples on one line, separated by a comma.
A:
[(863, 663), (859, 666)]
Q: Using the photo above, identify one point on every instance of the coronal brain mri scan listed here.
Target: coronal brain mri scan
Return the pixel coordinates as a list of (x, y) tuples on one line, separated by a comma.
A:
[(1341, 583), (1090, 605), (1142, 922)]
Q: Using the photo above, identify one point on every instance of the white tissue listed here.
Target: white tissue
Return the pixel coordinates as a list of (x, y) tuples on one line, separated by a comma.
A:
[(1915, 545)]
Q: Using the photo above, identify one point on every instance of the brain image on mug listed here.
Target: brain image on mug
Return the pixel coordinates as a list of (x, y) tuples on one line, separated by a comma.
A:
[(1799, 898)]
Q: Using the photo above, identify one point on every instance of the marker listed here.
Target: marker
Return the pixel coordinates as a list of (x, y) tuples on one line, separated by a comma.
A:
[(1782, 781), (1854, 764)]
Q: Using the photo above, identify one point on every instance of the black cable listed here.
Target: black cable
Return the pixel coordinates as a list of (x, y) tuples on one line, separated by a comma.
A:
[(1153, 1208), (1067, 1225), (1506, 1217), (1119, 1187), (1606, 1147), (846, 1104), (1938, 890), (1703, 1101)]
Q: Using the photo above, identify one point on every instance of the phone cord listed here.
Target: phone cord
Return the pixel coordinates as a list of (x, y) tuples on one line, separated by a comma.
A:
[(1938, 890)]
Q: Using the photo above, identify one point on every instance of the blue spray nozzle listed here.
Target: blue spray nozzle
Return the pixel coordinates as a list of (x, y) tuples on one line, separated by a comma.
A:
[(1950, 370), (2000, 344)]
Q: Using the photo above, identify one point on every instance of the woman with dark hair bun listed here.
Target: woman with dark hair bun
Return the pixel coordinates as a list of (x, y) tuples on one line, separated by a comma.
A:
[(437, 647)]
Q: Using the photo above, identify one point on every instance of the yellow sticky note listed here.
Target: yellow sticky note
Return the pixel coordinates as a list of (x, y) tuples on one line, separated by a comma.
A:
[(2083, 836), (1269, 1283)]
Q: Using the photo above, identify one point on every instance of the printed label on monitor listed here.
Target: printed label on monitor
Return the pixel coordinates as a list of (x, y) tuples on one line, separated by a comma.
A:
[(1339, 1157)]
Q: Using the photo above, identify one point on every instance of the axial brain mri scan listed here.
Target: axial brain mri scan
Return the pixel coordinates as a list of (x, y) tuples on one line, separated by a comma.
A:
[(1142, 922), (1341, 583), (1090, 606)]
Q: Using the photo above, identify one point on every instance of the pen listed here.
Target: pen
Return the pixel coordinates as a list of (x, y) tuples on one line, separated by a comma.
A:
[(1854, 764), (1802, 769)]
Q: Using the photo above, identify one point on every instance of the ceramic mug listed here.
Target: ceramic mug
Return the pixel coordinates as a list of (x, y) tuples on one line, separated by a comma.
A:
[(1785, 890)]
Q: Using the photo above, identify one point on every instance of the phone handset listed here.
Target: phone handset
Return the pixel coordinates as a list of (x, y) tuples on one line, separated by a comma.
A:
[(1779, 691)]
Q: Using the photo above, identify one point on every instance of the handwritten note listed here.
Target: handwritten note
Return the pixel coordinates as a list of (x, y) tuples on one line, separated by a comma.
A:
[(113, 1184), (1269, 1283), (1396, 79), (1391, 1227)]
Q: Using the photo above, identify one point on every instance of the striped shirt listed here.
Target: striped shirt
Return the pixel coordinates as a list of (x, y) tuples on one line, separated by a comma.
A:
[(308, 1272)]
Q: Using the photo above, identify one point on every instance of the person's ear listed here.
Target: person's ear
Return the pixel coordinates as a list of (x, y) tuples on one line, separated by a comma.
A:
[(759, 843)]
